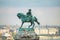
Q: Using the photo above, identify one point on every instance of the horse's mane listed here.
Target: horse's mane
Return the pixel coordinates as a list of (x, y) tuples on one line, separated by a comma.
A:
[(21, 14)]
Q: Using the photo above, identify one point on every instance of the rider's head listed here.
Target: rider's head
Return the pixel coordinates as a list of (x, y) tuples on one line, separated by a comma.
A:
[(29, 9)]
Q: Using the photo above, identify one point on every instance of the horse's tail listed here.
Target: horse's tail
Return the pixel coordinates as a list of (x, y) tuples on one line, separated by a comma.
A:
[(36, 20)]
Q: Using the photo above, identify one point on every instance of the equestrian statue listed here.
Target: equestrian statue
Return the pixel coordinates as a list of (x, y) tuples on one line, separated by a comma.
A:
[(28, 18)]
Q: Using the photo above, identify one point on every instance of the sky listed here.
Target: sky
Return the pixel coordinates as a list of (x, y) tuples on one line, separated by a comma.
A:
[(29, 3), (46, 11)]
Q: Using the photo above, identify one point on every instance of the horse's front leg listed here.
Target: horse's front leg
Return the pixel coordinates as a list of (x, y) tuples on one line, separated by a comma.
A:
[(22, 24)]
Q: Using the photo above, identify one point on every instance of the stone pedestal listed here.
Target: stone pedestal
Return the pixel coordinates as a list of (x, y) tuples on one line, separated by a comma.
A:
[(26, 34)]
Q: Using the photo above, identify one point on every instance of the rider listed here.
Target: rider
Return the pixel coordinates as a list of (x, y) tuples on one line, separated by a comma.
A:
[(29, 14)]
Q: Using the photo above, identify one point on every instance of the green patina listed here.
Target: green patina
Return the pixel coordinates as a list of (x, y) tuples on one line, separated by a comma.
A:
[(25, 18), (27, 29)]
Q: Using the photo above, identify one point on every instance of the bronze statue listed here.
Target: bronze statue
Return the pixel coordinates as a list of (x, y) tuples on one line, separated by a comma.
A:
[(29, 14), (28, 18)]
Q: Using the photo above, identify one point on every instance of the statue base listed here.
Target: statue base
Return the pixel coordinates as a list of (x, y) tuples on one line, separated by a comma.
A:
[(26, 34), (27, 29)]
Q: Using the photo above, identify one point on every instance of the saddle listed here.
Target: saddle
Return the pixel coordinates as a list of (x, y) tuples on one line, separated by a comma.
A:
[(29, 18)]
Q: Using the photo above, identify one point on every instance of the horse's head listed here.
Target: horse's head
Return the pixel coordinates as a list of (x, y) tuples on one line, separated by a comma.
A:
[(19, 15)]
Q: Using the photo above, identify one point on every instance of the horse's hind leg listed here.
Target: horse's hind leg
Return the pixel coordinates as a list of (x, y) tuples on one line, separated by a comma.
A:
[(33, 25), (30, 25)]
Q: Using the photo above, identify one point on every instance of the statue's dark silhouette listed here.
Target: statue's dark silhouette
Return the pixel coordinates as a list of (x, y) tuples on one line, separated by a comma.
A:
[(29, 14), (27, 18)]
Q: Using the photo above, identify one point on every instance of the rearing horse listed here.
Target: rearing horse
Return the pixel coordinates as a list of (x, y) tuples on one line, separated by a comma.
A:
[(24, 19)]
